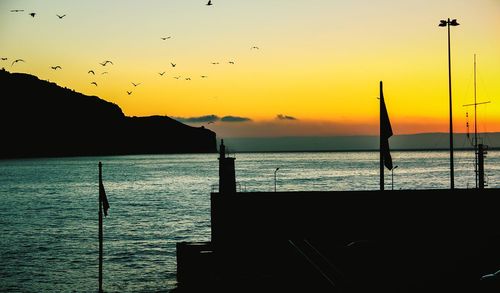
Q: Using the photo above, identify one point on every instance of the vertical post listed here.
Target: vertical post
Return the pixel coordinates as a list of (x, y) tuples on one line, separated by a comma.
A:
[(481, 165), (380, 142), (275, 171), (392, 176), (274, 181), (475, 125), (392, 179), (100, 230), (452, 175)]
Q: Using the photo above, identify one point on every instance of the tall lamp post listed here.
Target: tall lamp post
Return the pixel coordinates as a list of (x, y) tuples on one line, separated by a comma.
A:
[(449, 23), (392, 177), (275, 178)]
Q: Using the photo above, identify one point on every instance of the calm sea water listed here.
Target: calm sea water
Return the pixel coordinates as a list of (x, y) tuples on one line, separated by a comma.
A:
[(48, 208)]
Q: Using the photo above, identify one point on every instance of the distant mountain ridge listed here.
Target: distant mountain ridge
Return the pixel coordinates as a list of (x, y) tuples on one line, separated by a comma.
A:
[(39, 119), (421, 141)]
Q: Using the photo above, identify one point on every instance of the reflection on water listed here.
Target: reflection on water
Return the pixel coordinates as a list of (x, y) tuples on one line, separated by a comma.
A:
[(48, 208)]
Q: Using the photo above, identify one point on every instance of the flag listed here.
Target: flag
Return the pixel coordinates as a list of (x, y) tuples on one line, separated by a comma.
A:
[(385, 133), (103, 198)]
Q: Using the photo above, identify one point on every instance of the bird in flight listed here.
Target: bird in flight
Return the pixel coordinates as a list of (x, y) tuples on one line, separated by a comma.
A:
[(105, 72), (136, 84), (231, 62), (209, 2), (173, 64), (129, 93), (91, 71), (161, 73), (204, 76), (56, 67), (17, 10), (106, 62), (255, 47), (4, 58), (165, 38), (32, 14), (215, 63), (176, 77), (188, 78), (17, 60), (94, 83), (61, 16)]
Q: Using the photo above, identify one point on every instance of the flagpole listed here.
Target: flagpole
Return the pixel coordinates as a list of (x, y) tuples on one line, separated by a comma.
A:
[(380, 140), (100, 230)]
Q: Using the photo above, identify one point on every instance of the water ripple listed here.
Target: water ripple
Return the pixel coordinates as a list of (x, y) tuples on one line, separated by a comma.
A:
[(48, 215)]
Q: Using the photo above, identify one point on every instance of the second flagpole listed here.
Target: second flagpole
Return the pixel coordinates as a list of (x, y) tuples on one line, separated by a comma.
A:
[(380, 140)]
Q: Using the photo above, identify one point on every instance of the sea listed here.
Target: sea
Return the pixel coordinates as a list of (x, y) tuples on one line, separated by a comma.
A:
[(49, 208)]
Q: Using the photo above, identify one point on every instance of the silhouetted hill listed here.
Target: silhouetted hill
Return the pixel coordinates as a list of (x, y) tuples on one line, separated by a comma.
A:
[(39, 118)]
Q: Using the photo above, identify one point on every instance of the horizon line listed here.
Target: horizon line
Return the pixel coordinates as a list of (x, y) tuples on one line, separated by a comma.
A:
[(353, 135)]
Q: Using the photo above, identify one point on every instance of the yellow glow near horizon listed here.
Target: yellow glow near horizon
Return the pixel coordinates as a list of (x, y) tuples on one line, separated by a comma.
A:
[(317, 61)]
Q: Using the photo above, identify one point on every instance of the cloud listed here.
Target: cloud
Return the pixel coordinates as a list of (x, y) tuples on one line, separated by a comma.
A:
[(273, 128), (211, 118), (234, 119), (285, 117), (199, 119)]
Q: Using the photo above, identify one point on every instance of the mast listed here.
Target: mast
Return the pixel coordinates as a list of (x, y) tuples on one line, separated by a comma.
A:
[(476, 150)]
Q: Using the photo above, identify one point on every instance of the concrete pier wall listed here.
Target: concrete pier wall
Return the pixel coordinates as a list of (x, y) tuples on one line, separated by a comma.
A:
[(354, 215)]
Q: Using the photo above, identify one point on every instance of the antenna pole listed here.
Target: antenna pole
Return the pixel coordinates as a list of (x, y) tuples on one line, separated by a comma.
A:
[(477, 160)]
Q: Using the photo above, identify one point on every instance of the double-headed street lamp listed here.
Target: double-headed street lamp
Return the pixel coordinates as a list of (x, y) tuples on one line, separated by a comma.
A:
[(449, 23)]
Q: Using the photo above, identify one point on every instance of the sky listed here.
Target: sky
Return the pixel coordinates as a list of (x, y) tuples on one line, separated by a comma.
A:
[(282, 68)]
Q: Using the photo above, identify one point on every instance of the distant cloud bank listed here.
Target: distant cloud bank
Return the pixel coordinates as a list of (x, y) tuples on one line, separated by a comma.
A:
[(199, 119), (234, 119), (211, 118), (285, 117)]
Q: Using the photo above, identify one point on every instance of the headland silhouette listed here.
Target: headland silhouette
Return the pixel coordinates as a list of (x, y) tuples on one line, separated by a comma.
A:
[(41, 119)]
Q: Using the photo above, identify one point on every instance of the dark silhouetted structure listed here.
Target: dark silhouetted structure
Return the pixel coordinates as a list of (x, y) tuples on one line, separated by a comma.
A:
[(349, 241), (481, 152), (227, 177)]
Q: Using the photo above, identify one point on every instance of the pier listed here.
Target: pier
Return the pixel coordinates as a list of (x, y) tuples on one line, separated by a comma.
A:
[(344, 241)]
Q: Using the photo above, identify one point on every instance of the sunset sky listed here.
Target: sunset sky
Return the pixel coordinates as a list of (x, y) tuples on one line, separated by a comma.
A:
[(316, 70)]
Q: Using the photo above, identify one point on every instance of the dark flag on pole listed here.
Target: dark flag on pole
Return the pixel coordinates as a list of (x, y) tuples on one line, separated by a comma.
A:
[(385, 132), (103, 205), (104, 199)]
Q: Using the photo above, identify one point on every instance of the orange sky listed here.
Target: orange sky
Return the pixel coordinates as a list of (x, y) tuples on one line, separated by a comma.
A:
[(317, 61)]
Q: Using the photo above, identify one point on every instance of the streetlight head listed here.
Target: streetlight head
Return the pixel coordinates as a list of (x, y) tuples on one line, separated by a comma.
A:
[(442, 23), (454, 23), (395, 167), (277, 169)]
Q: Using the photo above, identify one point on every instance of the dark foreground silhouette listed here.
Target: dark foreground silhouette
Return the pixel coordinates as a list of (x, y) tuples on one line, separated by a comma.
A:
[(41, 119), (344, 241)]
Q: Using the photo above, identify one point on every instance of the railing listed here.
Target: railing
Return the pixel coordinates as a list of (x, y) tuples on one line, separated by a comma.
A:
[(239, 187)]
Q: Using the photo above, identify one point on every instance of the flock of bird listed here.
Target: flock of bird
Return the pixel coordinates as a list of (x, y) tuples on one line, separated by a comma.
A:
[(32, 14), (106, 62)]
